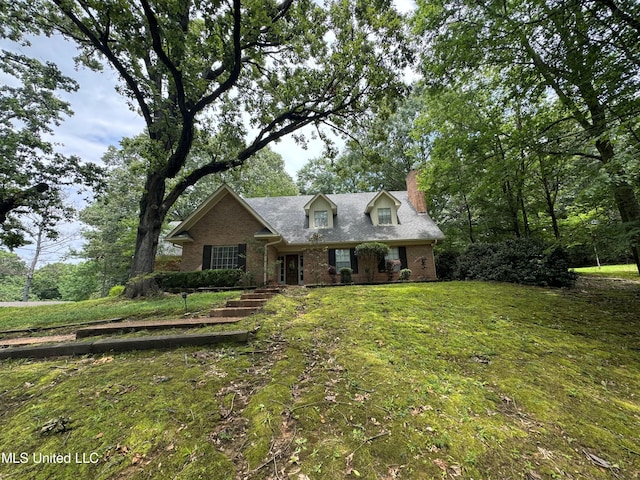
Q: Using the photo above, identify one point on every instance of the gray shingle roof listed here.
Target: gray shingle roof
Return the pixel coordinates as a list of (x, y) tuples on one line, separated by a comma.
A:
[(286, 215)]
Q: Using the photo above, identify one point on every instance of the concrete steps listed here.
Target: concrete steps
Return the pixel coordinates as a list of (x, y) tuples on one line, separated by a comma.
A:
[(248, 304)]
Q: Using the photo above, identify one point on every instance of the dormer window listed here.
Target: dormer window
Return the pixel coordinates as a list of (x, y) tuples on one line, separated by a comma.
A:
[(320, 211), (320, 219), (384, 216), (383, 209)]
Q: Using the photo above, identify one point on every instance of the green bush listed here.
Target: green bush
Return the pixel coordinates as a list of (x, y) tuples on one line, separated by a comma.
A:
[(523, 261), (116, 290), (345, 275), (405, 274), (369, 255), (204, 278)]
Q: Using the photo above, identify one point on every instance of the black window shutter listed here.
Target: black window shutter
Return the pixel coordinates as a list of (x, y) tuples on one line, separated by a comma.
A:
[(354, 260), (206, 257), (382, 265), (242, 256), (332, 256), (402, 253)]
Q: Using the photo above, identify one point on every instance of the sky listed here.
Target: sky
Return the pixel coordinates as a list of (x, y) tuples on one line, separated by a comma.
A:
[(102, 117)]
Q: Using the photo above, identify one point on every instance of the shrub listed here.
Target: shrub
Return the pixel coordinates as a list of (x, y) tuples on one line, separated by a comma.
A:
[(405, 274), (116, 290), (204, 278), (524, 261), (390, 267), (345, 275), (332, 271), (446, 264), (369, 256)]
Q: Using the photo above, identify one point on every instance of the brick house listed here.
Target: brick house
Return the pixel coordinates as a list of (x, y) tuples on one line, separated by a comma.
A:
[(292, 240)]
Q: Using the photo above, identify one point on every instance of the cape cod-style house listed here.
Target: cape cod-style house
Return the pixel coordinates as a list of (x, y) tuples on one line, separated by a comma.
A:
[(292, 240)]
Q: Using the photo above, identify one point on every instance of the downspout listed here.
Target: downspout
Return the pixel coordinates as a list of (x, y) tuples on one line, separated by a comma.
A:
[(266, 255)]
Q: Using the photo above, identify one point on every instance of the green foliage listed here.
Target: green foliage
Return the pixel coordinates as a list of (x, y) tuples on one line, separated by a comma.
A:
[(80, 282), (345, 275), (517, 261), (516, 132), (283, 66), (30, 105), (46, 281), (204, 278), (369, 256), (116, 291), (405, 274), (12, 277)]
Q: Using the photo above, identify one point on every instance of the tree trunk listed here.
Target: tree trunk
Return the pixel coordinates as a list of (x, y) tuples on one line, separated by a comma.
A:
[(152, 215), (33, 265), (551, 208), (513, 208), (625, 198)]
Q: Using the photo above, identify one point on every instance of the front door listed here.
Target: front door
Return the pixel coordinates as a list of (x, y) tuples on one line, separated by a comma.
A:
[(291, 269)]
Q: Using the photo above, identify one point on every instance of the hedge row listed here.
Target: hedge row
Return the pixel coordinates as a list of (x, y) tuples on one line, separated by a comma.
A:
[(525, 261), (204, 278)]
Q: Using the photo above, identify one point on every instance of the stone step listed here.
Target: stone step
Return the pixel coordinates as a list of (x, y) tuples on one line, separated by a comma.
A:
[(247, 302), (257, 296), (273, 290), (233, 311)]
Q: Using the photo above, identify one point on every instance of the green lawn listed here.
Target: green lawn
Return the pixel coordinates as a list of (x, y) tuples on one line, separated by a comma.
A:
[(629, 271), (108, 308), (416, 381)]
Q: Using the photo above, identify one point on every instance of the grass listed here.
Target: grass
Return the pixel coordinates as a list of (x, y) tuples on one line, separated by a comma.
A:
[(418, 381), (107, 308), (629, 272)]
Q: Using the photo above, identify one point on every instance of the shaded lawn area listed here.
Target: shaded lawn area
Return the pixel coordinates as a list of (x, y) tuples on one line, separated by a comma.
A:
[(417, 381), (629, 271)]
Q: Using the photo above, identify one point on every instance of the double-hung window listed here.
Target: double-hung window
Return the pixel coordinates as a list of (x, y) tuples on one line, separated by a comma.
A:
[(320, 219), (343, 258), (394, 254), (384, 216)]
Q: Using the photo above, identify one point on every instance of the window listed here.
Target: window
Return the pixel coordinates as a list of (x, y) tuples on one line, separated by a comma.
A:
[(384, 216), (394, 254), (343, 258), (320, 219), (224, 257)]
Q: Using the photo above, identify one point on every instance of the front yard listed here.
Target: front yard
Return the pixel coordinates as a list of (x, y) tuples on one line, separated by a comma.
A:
[(442, 380)]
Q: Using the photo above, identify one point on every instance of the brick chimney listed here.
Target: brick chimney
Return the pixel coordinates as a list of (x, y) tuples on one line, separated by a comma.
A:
[(416, 197)]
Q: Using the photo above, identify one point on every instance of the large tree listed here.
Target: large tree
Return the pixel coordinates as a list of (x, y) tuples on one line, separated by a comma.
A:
[(32, 172), (111, 219), (278, 66), (584, 52)]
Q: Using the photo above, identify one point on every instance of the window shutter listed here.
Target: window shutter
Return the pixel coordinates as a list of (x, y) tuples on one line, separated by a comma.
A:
[(382, 265), (206, 257), (332, 256), (242, 256), (354, 260), (402, 253)]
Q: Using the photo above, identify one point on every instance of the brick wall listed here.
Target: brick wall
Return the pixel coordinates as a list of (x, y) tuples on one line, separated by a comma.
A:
[(227, 223), (420, 261)]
